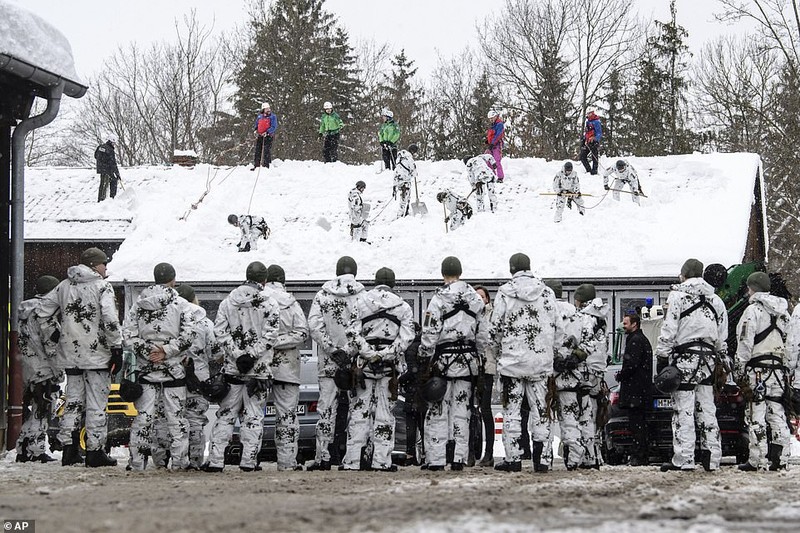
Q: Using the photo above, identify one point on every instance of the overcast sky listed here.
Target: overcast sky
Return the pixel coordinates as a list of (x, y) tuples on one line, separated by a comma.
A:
[(423, 27)]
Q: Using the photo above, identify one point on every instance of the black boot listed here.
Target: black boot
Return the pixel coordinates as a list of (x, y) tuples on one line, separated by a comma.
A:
[(536, 455), (705, 459), (43, 458), (23, 456), (96, 458), (774, 452), (321, 465), (512, 466), (70, 455)]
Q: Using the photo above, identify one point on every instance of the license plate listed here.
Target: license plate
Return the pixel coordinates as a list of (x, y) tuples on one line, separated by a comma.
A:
[(270, 410), (663, 403)]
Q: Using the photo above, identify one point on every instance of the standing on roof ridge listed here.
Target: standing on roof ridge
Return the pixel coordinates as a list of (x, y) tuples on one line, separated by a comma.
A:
[(388, 136), (495, 137), (264, 131), (330, 126), (404, 172), (590, 143), (481, 174), (106, 157)]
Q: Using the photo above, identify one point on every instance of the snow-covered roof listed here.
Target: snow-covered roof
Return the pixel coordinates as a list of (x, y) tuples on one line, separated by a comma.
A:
[(697, 206), (29, 38)]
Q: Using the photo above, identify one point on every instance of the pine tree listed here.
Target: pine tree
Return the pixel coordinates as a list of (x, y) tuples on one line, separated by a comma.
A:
[(299, 57)]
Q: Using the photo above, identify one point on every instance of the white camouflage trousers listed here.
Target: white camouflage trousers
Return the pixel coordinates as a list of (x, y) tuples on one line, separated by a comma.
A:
[(483, 192), (539, 426), (759, 416), (287, 428), (326, 407), (560, 201), (448, 420), (688, 405), (32, 438), (143, 430), (371, 419), (86, 391), (619, 184), (238, 404), (361, 231), (576, 415), (196, 408), (403, 199)]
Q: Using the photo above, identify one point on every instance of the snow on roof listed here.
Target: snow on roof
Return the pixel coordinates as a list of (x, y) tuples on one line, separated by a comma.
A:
[(697, 206), (29, 38)]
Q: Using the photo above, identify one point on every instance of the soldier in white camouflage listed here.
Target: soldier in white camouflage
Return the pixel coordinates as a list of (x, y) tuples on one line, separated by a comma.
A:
[(40, 374), (246, 328), (526, 330), (762, 362), (694, 331), (457, 209), (359, 224), (387, 325), (481, 174), (292, 333), (404, 173), (335, 325), (89, 350), (158, 330), (252, 228), (454, 331), (579, 366), (567, 186)]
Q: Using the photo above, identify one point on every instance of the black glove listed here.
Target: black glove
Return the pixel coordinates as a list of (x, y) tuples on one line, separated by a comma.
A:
[(341, 358), (569, 202), (394, 192), (257, 386), (55, 335), (115, 363), (606, 187)]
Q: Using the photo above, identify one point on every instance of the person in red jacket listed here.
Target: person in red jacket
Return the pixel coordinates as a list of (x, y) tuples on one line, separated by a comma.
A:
[(494, 139), (593, 133)]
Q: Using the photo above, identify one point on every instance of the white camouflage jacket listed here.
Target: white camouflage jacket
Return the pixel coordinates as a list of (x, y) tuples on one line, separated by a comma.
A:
[(586, 331), (204, 346), (628, 175), (247, 322), (793, 346), (405, 169), (356, 207), (292, 333), (756, 319), (455, 314), (564, 182), (526, 327), (160, 318), (480, 169), (39, 354), (387, 325), (334, 321), (89, 320)]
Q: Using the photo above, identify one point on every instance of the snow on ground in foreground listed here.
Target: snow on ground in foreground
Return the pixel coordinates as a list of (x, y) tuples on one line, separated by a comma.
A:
[(698, 206)]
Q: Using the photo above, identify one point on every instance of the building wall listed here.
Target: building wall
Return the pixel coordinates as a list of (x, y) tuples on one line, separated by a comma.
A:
[(53, 258)]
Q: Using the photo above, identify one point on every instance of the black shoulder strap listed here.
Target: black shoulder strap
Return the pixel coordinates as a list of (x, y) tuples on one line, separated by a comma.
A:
[(773, 326), (702, 302), (381, 314), (461, 307)]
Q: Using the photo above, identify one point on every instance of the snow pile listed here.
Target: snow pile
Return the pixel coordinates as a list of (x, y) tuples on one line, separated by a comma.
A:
[(29, 38), (697, 206)]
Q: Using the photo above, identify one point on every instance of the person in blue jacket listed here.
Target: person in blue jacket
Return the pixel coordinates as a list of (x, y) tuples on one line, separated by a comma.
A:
[(593, 134), (264, 132)]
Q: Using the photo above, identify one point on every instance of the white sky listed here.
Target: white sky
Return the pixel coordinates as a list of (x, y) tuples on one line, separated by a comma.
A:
[(423, 27)]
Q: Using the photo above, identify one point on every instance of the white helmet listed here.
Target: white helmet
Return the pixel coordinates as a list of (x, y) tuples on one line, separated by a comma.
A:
[(492, 113), (590, 110), (265, 105), (112, 137), (385, 112), (327, 105)]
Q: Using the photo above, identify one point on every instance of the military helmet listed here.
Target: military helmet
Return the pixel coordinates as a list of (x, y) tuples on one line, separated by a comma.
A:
[(621, 164), (413, 148), (568, 166), (441, 196), (715, 275), (233, 219), (433, 390), (360, 185), (668, 380)]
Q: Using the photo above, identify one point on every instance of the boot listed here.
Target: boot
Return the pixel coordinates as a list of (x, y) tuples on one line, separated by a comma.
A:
[(97, 458), (43, 458), (488, 459), (513, 466), (208, 468), (705, 459), (457, 467), (322, 465), (70, 455), (747, 467), (774, 453), (536, 456)]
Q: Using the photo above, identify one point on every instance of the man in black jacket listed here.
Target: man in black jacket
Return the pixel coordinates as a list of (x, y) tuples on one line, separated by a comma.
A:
[(635, 383), (107, 168)]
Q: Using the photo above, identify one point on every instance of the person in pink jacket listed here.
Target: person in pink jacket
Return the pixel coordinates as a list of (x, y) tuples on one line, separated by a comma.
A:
[(494, 140)]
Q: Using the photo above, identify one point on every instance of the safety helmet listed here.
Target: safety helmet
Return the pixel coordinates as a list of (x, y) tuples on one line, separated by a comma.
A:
[(215, 388), (433, 390), (568, 166), (327, 105), (385, 112), (265, 105), (360, 185), (590, 111), (343, 378), (668, 380), (621, 164), (413, 148), (112, 137), (233, 219), (441, 196), (130, 391)]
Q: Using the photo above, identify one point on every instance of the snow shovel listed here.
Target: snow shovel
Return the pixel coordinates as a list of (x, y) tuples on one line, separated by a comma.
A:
[(418, 208)]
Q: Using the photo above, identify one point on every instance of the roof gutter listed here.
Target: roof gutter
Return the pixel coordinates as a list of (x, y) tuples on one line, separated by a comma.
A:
[(39, 76), (18, 193)]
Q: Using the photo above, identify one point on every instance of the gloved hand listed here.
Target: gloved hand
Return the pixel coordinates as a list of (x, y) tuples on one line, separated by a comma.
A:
[(115, 363), (258, 386), (560, 194), (569, 202), (340, 358), (55, 335), (394, 192), (606, 187), (320, 135)]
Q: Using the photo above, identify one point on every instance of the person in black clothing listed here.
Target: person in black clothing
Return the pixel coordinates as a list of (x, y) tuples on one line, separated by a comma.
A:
[(414, 407), (107, 168), (635, 385)]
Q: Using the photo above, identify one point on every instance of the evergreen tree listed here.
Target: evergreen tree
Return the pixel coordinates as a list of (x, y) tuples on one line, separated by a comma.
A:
[(484, 98), (552, 115), (615, 113), (298, 58)]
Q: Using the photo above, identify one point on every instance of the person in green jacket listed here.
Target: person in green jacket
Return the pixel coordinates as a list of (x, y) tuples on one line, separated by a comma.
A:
[(329, 127), (388, 136)]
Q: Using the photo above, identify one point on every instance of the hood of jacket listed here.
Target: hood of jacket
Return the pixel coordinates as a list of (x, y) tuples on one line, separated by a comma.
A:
[(694, 286), (344, 285), (279, 293), (380, 298), (523, 286), (247, 296), (27, 307), (774, 305), (83, 274), (596, 308), (156, 297), (456, 292)]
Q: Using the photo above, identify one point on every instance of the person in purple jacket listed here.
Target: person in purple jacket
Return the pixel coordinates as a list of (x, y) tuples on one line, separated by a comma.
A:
[(494, 139), (264, 131)]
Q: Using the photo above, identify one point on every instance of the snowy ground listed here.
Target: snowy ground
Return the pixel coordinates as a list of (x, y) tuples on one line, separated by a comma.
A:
[(692, 201)]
